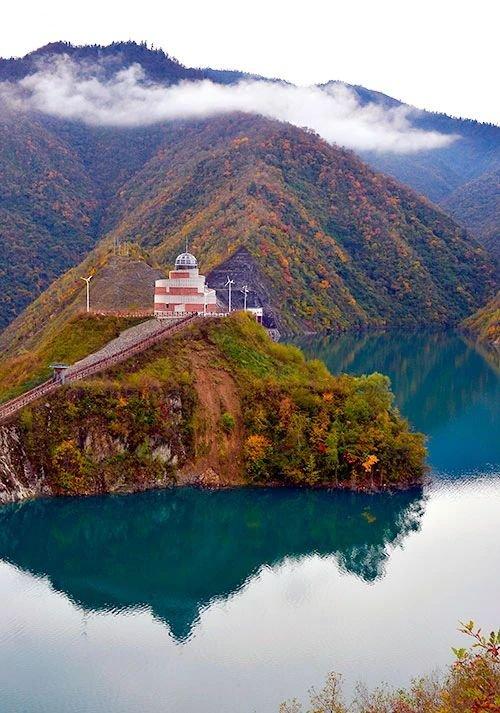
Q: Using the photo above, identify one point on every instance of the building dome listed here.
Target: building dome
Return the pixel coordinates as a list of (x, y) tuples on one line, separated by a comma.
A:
[(185, 261)]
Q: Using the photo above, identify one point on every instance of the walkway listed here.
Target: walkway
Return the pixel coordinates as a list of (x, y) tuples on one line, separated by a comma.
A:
[(132, 341)]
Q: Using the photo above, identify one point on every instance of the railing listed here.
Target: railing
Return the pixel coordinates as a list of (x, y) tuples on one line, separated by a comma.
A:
[(164, 315), (11, 407), (136, 348), (14, 405), (119, 313)]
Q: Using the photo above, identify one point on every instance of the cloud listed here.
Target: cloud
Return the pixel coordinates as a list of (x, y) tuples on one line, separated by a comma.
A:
[(79, 92)]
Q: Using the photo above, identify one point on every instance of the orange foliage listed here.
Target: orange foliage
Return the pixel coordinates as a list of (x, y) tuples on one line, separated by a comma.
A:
[(256, 447)]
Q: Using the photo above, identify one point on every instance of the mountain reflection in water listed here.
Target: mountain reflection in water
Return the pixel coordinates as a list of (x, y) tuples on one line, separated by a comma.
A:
[(175, 551), (221, 601)]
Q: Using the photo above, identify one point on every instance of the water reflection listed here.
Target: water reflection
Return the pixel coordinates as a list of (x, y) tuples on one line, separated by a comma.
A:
[(175, 551), (263, 633), (444, 385)]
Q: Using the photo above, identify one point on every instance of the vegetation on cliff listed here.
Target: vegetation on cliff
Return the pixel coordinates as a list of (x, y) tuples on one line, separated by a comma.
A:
[(305, 426), (484, 325), (471, 685), (221, 404)]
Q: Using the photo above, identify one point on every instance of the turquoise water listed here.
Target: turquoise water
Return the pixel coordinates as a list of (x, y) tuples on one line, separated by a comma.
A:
[(445, 387), (233, 601)]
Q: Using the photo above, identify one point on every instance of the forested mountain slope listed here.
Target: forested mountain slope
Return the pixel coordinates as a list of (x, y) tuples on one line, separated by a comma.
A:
[(484, 325), (462, 177), (336, 244), (341, 244), (436, 174), (56, 181), (477, 207), (48, 210), (65, 185)]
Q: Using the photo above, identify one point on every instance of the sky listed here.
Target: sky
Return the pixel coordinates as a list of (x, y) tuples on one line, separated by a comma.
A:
[(435, 54)]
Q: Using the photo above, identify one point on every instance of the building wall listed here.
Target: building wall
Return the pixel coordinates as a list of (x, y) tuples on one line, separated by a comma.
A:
[(162, 308), (186, 299), (183, 292)]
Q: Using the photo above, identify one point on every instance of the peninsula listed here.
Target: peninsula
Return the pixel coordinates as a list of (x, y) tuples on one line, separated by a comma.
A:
[(216, 404)]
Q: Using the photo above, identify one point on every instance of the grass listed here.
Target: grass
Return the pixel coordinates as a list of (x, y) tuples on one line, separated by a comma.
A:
[(248, 349), (79, 337)]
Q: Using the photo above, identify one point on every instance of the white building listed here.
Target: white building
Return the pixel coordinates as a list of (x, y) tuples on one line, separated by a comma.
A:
[(184, 291)]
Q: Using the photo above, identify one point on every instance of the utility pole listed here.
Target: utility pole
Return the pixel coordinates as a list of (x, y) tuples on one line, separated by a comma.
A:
[(87, 280), (245, 293), (229, 284)]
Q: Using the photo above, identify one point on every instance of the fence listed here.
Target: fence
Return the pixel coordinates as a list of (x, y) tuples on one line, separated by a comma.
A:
[(120, 313), (14, 405), (11, 407)]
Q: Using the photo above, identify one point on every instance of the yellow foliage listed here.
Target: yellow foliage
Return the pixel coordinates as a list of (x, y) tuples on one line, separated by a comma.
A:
[(256, 446), (369, 462)]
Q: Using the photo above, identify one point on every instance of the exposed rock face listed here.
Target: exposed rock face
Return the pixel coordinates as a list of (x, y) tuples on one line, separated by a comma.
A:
[(18, 478), (244, 270), (58, 450), (123, 284), (55, 450)]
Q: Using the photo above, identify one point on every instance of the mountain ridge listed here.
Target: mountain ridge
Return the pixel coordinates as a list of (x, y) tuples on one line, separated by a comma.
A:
[(69, 194), (337, 245)]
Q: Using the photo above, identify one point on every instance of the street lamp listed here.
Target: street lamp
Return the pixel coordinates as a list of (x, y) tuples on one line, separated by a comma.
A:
[(245, 291), (229, 284), (87, 280)]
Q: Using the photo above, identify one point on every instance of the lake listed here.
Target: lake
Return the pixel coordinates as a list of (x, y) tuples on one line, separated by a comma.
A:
[(188, 600)]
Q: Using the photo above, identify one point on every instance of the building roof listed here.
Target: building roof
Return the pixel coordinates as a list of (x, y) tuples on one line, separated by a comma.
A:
[(186, 261)]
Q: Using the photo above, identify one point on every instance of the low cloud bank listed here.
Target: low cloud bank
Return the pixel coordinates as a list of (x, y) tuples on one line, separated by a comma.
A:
[(71, 91)]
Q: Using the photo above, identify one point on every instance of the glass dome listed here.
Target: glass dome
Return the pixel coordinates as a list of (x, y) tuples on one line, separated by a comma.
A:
[(186, 261)]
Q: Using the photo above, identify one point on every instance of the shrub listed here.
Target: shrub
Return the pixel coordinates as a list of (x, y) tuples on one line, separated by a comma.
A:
[(472, 685), (227, 422)]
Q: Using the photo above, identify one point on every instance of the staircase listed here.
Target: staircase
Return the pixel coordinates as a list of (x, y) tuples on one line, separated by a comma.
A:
[(132, 341)]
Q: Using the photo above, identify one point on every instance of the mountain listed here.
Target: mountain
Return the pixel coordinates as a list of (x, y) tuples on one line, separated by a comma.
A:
[(464, 177), (330, 243), (477, 206), (484, 325), (56, 181), (48, 210), (436, 174), (158, 65), (64, 186)]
